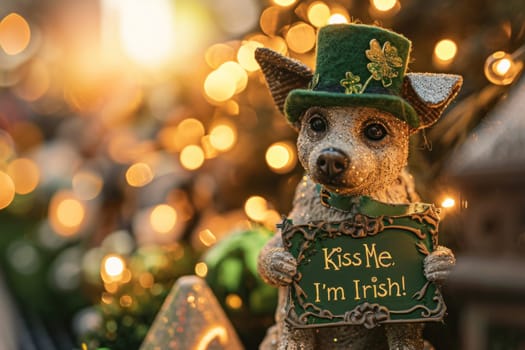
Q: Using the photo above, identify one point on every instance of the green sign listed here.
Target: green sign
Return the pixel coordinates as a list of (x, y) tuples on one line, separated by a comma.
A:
[(365, 270)]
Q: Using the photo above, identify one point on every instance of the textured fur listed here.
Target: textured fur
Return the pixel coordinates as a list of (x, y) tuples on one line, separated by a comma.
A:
[(375, 169)]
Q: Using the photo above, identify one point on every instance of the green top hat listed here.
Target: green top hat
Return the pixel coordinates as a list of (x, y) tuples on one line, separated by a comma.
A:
[(357, 65)]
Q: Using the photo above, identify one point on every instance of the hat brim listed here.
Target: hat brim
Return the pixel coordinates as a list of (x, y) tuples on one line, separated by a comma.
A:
[(300, 100)]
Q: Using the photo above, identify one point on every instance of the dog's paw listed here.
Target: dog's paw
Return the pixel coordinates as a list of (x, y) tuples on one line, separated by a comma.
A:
[(438, 264), (278, 267)]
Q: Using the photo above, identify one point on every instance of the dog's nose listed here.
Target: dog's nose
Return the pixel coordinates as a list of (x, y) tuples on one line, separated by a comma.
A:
[(332, 162)]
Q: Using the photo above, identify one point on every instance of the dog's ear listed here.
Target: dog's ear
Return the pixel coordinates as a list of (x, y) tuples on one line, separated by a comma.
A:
[(283, 74), (430, 94)]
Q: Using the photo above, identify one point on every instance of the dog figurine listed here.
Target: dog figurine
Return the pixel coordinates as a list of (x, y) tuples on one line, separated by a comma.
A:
[(354, 117)]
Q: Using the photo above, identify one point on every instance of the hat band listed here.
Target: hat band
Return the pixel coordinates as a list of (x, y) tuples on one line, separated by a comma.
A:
[(337, 88)]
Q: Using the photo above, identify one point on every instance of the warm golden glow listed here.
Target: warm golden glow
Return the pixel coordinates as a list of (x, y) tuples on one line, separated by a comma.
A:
[(218, 54), (233, 301), (256, 207), (163, 218), (25, 174), (337, 18), (502, 66), (272, 218), (448, 202), (280, 157), (70, 212), (139, 174), (201, 269), (210, 335), (300, 37), (236, 73), (192, 157), (175, 138), (15, 34), (284, 3), (66, 213), (445, 50), (207, 237), (384, 5), (318, 13), (7, 190), (147, 31), (87, 184), (106, 298), (269, 20), (122, 147), (501, 69), (111, 287), (112, 268), (146, 280), (6, 146), (126, 300), (246, 57), (223, 137), (209, 151), (219, 86), (36, 82)]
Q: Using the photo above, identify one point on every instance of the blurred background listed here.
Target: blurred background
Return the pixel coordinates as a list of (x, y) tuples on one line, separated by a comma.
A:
[(138, 144)]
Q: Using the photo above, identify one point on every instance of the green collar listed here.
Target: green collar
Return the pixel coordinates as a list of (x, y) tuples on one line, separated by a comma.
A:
[(366, 205)]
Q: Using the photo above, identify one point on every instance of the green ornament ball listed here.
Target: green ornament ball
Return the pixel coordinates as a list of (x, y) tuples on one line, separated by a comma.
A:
[(232, 275)]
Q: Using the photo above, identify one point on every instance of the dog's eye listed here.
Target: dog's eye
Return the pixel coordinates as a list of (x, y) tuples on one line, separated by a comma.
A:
[(375, 132), (317, 123)]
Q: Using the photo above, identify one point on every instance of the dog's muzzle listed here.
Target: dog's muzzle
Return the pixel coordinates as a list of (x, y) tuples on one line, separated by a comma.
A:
[(331, 164)]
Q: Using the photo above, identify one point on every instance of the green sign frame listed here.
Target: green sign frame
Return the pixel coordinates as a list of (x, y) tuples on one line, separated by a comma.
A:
[(365, 270)]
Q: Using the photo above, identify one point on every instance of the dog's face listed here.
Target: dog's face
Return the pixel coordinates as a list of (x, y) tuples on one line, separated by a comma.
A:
[(352, 150)]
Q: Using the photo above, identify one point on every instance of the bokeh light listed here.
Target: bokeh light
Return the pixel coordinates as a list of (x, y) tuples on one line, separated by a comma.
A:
[(207, 237), (301, 37), (246, 55), (218, 54), (284, 3), (269, 20), (87, 184), (139, 174), (501, 69), (445, 51), (219, 85), (318, 13), (223, 137), (256, 208), (112, 268), (237, 73), (66, 213), (502, 66), (163, 218), (233, 301), (25, 175), (384, 5), (337, 18), (280, 157), (448, 202), (126, 300), (7, 190), (201, 269), (15, 34), (189, 131), (192, 157)]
